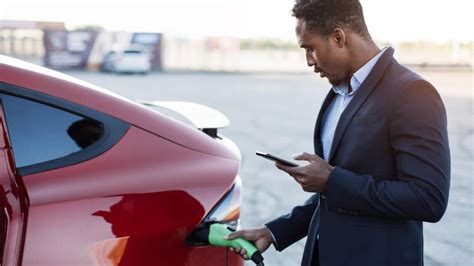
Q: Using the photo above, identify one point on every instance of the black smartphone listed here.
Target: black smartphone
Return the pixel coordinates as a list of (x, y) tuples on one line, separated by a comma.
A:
[(276, 159)]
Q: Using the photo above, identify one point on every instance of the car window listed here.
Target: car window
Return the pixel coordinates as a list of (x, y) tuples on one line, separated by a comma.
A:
[(40, 133)]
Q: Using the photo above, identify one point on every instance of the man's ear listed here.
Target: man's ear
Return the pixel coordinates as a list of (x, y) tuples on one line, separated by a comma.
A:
[(339, 37)]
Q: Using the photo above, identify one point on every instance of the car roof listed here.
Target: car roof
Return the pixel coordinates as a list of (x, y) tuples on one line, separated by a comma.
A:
[(50, 82)]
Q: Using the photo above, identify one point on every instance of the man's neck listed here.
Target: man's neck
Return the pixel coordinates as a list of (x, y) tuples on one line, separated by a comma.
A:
[(362, 52)]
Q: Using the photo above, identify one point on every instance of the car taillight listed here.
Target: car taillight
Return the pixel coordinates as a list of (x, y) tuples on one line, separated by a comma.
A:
[(227, 210)]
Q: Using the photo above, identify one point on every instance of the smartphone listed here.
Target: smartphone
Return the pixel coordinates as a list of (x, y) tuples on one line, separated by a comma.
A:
[(276, 159)]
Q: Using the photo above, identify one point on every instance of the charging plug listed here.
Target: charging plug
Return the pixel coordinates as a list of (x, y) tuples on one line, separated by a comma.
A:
[(217, 234)]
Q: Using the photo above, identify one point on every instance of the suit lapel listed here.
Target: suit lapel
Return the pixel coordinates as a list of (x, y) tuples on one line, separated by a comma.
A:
[(360, 96), (318, 148)]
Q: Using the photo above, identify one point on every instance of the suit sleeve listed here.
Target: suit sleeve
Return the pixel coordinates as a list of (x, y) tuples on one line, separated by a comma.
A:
[(419, 140), (292, 227)]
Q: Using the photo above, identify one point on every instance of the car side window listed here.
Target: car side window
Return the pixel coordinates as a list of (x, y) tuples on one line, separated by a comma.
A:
[(40, 132)]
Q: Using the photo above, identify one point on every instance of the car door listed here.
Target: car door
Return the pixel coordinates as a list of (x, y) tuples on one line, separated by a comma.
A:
[(13, 201)]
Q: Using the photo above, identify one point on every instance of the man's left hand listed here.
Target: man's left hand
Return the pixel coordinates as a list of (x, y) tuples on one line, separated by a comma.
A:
[(312, 177)]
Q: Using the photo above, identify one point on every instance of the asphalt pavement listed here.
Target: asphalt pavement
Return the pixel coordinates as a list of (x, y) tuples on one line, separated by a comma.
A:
[(276, 113)]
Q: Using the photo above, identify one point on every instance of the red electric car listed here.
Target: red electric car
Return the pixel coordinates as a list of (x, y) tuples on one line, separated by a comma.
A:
[(90, 178)]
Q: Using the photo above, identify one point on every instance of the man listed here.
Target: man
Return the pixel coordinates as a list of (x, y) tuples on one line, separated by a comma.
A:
[(381, 165)]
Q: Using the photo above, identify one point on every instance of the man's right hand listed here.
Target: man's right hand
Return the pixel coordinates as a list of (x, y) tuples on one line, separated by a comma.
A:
[(261, 238)]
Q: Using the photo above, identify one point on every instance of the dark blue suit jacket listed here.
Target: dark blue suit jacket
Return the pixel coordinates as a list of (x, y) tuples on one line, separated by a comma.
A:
[(392, 173)]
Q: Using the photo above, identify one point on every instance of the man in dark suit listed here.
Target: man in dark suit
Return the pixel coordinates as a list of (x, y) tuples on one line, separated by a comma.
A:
[(381, 165)]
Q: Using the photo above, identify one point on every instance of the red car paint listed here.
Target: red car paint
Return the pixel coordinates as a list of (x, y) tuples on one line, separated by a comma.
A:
[(133, 204)]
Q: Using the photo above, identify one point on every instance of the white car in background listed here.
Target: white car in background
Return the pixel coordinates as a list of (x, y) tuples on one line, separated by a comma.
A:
[(128, 60)]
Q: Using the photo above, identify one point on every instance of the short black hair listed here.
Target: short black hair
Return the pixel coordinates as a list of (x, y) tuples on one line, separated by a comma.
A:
[(323, 16)]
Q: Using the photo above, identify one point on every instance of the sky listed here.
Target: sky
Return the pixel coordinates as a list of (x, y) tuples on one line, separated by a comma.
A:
[(387, 20)]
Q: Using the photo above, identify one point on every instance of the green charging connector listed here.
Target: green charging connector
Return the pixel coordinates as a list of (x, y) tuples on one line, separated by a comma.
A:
[(217, 233), (214, 234)]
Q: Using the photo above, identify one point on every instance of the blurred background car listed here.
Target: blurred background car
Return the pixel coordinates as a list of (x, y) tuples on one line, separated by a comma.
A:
[(91, 178), (133, 59)]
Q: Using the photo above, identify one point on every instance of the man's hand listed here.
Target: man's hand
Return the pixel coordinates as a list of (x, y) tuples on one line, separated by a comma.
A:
[(312, 177), (261, 238)]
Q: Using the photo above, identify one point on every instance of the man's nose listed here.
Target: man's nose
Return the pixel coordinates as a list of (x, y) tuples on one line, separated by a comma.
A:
[(310, 60)]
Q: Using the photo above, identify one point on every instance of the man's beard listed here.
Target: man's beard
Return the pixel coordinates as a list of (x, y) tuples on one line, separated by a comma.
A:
[(338, 81)]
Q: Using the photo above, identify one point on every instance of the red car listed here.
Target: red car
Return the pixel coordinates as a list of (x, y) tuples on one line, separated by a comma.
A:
[(90, 178)]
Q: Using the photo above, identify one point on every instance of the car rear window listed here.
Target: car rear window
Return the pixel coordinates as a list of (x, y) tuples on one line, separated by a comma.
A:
[(40, 133)]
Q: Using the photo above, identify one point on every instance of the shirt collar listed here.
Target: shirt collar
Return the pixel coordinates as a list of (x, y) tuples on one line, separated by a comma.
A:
[(358, 77)]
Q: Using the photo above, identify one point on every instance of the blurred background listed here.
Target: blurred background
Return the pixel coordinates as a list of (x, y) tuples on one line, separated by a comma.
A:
[(241, 57), (221, 35)]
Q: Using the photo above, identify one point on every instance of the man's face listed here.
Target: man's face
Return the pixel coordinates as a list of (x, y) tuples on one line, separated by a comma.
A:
[(326, 56)]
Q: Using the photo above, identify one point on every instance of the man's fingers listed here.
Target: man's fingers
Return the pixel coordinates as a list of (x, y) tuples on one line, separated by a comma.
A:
[(245, 234), (235, 235), (260, 237), (289, 169), (241, 252), (304, 156)]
